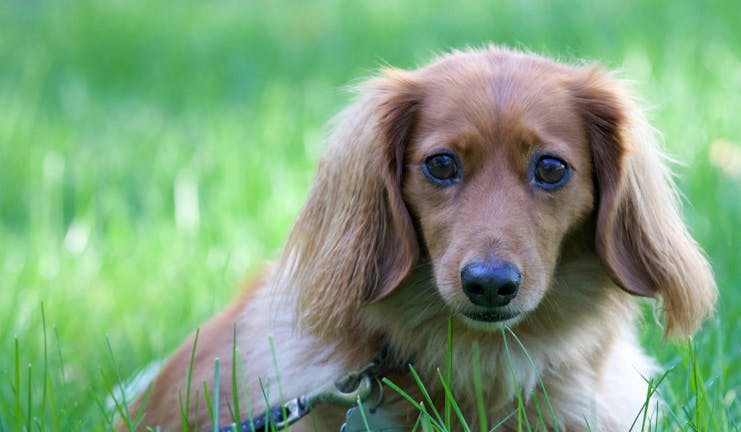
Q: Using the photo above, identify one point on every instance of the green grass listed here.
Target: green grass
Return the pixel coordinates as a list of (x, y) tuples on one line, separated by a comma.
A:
[(110, 109)]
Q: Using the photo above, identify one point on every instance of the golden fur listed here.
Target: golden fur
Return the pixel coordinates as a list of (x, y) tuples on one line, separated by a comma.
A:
[(376, 254)]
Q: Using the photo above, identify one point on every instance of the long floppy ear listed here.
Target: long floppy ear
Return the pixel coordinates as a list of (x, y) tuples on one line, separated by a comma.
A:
[(354, 241), (640, 236)]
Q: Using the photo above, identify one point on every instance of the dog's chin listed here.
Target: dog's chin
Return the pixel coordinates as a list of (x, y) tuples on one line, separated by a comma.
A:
[(489, 320)]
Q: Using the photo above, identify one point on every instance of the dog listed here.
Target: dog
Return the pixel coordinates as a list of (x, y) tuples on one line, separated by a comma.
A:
[(520, 202)]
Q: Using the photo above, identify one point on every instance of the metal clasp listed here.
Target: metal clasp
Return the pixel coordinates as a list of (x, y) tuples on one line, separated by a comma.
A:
[(347, 390), (332, 394), (294, 412)]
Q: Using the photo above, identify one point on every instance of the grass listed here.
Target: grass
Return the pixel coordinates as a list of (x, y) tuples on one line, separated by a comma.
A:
[(153, 154)]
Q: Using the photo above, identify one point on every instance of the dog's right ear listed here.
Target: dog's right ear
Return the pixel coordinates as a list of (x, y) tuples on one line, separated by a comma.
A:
[(354, 241)]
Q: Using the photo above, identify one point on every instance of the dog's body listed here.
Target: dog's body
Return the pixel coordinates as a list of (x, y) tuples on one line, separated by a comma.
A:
[(499, 187)]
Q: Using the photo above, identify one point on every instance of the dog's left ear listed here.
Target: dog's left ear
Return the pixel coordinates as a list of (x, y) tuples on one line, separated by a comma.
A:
[(640, 236), (354, 241)]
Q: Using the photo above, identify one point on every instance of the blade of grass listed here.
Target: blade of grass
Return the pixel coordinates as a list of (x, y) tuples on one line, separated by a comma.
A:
[(101, 407), (521, 416), (417, 423), (59, 354), (642, 412), (196, 425), (282, 399), (266, 397), (30, 392), (52, 399), (207, 398), (456, 408), (246, 394), (503, 421), (143, 401), (703, 405), (539, 412), (650, 391), (235, 385), (186, 414), (215, 417), (362, 415), (124, 403), (537, 374), (667, 413), (426, 394), (182, 409), (415, 404), (427, 425), (44, 371), (52, 408), (477, 387), (17, 386), (656, 417), (694, 384), (116, 404), (230, 410)]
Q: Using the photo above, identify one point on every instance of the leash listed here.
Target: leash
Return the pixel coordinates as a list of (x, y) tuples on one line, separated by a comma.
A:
[(346, 391)]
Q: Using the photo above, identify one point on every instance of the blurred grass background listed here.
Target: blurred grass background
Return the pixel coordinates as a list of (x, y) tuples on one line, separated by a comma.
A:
[(153, 154)]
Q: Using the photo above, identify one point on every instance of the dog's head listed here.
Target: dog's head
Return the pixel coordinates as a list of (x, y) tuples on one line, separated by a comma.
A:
[(484, 164)]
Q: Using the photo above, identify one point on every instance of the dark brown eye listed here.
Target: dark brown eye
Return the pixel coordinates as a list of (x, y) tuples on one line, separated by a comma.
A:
[(550, 172), (442, 168)]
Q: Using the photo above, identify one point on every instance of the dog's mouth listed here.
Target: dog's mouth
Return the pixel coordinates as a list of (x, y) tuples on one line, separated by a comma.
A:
[(490, 316)]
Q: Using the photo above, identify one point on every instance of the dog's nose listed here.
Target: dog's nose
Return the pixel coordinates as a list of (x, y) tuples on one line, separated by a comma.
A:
[(490, 285)]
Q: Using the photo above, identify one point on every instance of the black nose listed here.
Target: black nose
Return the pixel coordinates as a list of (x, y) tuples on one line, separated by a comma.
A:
[(490, 285)]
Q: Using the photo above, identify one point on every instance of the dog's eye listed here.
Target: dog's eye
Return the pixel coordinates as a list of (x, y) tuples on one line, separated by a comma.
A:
[(550, 172), (442, 168)]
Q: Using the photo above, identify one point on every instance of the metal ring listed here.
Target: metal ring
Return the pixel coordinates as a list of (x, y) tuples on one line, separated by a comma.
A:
[(379, 399)]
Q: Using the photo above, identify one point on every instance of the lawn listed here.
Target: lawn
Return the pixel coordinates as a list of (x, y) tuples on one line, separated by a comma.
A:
[(154, 154)]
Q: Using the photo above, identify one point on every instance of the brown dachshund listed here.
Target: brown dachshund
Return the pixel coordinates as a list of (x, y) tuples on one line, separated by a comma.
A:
[(500, 188)]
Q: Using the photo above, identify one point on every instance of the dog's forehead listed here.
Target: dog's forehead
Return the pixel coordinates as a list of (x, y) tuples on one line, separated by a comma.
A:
[(497, 96)]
